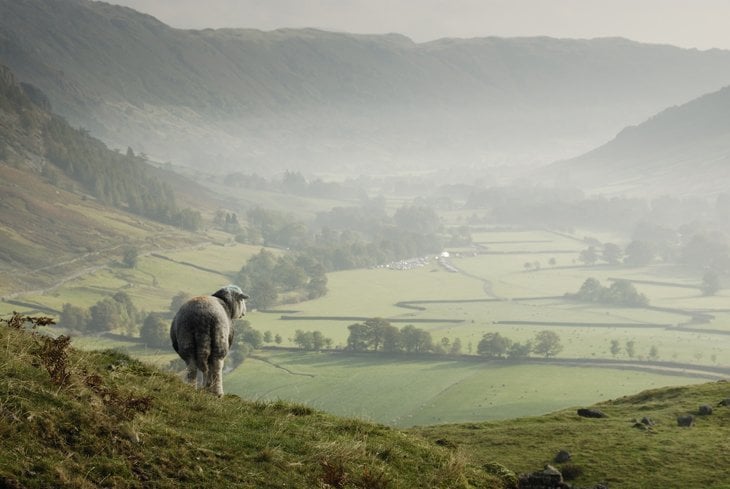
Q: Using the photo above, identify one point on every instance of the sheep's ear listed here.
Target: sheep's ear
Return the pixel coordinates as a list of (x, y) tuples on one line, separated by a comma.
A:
[(245, 296), (224, 294)]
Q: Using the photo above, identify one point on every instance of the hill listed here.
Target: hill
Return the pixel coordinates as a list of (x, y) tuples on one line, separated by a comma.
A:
[(83, 419), (69, 202), (73, 419), (683, 150), (620, 450), (320, 101)]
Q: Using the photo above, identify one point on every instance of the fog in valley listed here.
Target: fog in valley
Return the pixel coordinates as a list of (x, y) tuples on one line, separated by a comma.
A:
[(442, 212)]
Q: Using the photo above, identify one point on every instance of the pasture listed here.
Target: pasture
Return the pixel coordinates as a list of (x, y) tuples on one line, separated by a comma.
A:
[(487, 289), (402, 392)]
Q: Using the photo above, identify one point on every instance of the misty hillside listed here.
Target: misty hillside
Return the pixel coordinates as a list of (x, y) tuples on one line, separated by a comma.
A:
[(68, 200), (682, 150), (313, 100)]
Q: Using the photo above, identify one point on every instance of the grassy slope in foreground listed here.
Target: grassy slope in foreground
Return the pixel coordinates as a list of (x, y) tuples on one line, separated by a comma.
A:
[(611, 449), (119, 423)]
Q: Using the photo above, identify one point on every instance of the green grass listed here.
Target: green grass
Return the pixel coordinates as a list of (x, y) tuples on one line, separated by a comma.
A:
[(116, 422), (611, 450), (375, 292), (406, 392)]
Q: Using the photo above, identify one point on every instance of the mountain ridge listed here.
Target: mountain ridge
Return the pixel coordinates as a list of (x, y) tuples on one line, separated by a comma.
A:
[(683, 150), (313, 100)]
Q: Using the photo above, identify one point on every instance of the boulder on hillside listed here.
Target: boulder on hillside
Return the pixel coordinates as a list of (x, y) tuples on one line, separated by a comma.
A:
[(591, 413), (548, 478), (686, 420), (705, 410), (562, 456), (724, 402), (644, 423)]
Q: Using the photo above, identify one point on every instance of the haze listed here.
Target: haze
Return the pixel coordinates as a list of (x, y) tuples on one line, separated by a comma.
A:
[(698, 24)]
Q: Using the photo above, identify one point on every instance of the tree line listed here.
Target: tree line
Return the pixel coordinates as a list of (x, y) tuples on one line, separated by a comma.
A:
[(493, 345), (619, 293), (120, 180), (266, 276)]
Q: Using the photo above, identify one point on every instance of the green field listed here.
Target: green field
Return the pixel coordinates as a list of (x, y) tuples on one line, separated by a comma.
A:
[(402, 392), (449, 305)]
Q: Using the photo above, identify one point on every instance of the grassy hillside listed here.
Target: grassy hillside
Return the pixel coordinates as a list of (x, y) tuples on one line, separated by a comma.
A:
[(89, 419), (79, 419), (70, 204), (612, 449)]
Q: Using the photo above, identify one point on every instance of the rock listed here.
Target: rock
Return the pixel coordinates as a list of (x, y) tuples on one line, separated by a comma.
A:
[(705, 410), (724, 402), (562, 456), (686, 420), (548, 478), (644, 423), (591, 413)]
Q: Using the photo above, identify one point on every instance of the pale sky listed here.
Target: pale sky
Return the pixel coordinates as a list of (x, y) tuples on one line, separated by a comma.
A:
[(701, 24)]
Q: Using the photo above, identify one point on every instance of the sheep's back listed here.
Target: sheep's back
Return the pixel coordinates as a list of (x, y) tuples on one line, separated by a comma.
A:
[(200, 326)]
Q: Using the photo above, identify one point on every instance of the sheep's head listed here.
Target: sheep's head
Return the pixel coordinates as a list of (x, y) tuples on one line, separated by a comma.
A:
[(234, 298)]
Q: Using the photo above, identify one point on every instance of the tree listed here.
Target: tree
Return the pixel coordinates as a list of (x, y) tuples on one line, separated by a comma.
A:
[(415, 340), (304, 339), (263, 294), (246, 334), (623, 293), (615, 348), (710, 283), (131, 258), (588, 256), (493, 345), (612, 253), (377, 328), (638, 254), (178, 300), (317, 285), (74, 318), (288, 275), (591, 290), (630, 348), (519, 350), (455, 347), (268, 337), (391, 339), (155, 331), (105, 315), (547, 343), (358, 337), (653, 352)]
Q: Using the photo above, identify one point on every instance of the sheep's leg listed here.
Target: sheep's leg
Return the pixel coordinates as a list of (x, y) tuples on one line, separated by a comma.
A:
[(214, 382), (192, 374)]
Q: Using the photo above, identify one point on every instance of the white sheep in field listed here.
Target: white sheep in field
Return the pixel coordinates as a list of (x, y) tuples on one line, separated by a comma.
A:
[(202, 334)]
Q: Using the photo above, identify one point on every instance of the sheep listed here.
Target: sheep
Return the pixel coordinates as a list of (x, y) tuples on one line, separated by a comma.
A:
[(202, 334)]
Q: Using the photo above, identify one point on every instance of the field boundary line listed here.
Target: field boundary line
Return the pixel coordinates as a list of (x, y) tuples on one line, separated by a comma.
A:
[(276, 365)]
